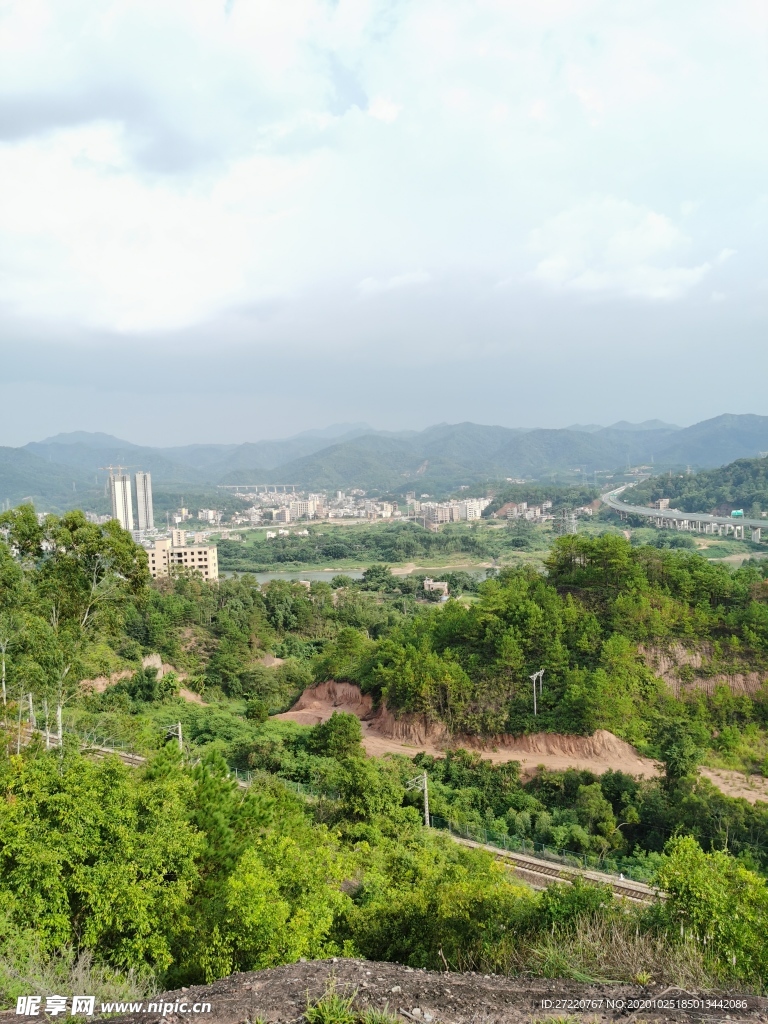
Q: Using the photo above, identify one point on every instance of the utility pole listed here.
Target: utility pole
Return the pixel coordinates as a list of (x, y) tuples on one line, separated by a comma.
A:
[(537, 677), (421, 782), (181, 744)]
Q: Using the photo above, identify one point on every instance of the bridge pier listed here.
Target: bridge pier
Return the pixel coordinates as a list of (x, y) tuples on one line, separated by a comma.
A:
[(756, 534)]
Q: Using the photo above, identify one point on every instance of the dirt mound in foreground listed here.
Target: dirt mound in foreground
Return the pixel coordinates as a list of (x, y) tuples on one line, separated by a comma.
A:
[(386, 733), (282, 994)]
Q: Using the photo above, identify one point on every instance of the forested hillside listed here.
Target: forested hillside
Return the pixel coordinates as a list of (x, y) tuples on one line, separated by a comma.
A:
[(742, 484), (436, 460), (170, 873)]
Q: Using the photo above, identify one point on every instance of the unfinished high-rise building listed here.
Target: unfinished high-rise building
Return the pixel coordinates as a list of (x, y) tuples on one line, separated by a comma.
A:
[(144, 510), (122, 505)]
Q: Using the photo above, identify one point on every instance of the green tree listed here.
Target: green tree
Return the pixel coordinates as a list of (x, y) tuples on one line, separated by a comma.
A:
[(339, 737), (379, 577), (721, 902)]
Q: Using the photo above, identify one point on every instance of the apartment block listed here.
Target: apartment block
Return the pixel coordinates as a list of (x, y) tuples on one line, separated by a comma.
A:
[(122, 504), (201, 558), (302, 509), (145, 512)]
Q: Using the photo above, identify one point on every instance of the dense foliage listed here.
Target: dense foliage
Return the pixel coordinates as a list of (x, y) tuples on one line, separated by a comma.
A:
[(469, 666), (175, 870), (742, 484)]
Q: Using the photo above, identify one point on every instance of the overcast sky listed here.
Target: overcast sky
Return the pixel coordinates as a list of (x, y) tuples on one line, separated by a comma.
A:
[(231, 220)]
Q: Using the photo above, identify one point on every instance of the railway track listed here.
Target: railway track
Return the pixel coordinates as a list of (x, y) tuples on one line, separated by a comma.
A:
[(541, 873)]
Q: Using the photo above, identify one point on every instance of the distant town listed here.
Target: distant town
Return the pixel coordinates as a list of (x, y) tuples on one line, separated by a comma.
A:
[(280, 505)]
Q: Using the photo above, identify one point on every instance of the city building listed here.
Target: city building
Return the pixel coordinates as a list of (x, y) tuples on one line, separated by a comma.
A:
[(301, 509), (122, 505), (438, 513), (661, 503), (283, 515), (144, 510), (436, 586), (472, 508), (200, 558), (178, 538)]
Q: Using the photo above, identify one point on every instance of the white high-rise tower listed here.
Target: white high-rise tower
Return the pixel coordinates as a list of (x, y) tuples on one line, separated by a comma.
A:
[(122, 506), (144, 510)]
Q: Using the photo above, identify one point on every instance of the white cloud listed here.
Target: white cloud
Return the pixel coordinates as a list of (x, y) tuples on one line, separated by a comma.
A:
[(610, 246), (168, 163), (372, 286), (383, 109)]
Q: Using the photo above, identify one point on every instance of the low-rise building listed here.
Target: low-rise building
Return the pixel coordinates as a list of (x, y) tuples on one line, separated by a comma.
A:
[(201, 558), (437, 586)]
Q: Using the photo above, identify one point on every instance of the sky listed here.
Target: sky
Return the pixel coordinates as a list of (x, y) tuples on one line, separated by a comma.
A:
[(226, 220)]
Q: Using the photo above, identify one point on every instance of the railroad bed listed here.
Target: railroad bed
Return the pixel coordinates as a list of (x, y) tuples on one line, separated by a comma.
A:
[(541, 873)]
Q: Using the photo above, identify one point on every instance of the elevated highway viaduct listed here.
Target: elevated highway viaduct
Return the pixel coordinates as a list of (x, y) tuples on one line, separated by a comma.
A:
[(697, 522)]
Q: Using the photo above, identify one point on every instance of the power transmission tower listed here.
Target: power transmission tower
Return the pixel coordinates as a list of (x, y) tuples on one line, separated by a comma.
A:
[(421, 782)]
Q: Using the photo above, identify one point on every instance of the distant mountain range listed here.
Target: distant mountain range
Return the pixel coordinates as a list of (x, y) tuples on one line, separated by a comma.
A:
[(69, 469)]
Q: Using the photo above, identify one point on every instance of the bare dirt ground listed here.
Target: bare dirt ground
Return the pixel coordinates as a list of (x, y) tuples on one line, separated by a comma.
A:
[(191, 696), (669, 662), (384, 734), (409, 567), (100, 683), (283, 993), (269, 660), (736, 784)]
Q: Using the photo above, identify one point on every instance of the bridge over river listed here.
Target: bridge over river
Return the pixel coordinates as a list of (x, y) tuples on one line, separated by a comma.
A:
[(739, 528)]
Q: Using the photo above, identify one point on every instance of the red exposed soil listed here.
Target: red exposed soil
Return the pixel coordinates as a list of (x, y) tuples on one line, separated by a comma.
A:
[(383, 733), (667, 662)]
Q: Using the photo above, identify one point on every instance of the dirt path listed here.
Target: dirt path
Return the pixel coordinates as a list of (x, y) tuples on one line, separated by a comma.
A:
[(383, 734), (736, 784), (552, 752)]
